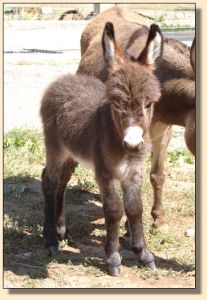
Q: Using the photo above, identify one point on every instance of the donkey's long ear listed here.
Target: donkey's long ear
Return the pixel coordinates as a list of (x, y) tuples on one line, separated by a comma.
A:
[(111, 51), (108, 42), (192, 55), (154, 46)]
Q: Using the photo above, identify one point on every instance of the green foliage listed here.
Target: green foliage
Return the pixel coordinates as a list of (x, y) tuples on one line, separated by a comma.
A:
[(25, 138), (180, 157), (23, 153), (84, 185), (176, 157)]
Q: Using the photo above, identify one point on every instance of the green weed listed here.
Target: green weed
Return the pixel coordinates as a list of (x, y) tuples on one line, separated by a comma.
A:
[(25, 138), (24, 153), (84, 185), (180, 157)]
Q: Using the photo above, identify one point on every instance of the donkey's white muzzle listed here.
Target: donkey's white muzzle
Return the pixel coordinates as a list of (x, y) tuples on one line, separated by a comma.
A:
[(133, 137)]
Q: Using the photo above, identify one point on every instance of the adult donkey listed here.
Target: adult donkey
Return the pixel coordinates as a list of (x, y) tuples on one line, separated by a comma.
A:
[(106, 128), (175, 71)]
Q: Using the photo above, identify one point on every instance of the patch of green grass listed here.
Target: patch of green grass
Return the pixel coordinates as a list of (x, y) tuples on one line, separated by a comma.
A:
[(176, 157), (84, 185), (163, 241), (9, 222), (179, 157), (93, 266), (83, 172), (85, 180), (25, 138), (24, 153)]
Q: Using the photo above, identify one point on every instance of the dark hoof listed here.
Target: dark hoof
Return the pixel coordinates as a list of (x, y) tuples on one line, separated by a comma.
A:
[(53, 251), (114, 271), (150, 265)]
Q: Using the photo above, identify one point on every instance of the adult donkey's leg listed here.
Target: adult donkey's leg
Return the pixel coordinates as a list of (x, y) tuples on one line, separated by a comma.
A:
[(113, 211), (134, 210), (190, 131), (157, 176)]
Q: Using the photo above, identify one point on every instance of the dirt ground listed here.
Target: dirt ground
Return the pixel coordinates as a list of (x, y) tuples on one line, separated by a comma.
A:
[(81, 263), (22, 97)]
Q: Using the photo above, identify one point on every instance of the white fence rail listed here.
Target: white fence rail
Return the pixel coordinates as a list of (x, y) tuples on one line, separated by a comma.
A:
[(55, 35)]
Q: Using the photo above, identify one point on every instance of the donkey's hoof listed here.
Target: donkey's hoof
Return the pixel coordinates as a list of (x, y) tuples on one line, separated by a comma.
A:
[(114, 271), (53, 251), (151, 265), (61, 231)]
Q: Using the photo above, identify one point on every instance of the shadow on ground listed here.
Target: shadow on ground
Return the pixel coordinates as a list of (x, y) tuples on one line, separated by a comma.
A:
[(24, 252)]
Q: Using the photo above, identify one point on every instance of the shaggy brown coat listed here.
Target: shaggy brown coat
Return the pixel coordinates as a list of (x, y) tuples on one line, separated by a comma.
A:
[(105, 128)]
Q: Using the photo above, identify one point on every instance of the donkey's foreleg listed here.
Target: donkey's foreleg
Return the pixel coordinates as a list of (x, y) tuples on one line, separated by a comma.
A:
[(65, 174), (157, 177), (134, 210), (113, 211)]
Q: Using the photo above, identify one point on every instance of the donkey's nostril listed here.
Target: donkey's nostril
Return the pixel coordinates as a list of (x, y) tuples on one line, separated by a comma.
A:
[(126, 144), (133, 147)]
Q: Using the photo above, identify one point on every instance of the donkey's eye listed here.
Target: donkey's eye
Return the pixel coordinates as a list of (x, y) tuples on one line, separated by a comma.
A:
[(148, 105), (124, 115)]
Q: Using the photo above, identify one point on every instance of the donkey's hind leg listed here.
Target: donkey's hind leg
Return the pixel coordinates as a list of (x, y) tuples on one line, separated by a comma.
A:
[(66, 172), (59, 168), (157, 177), (50, 182), (55, 176)]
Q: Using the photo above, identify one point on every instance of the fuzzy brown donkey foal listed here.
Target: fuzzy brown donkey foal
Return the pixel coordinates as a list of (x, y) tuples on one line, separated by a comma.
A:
[(105, 128)]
